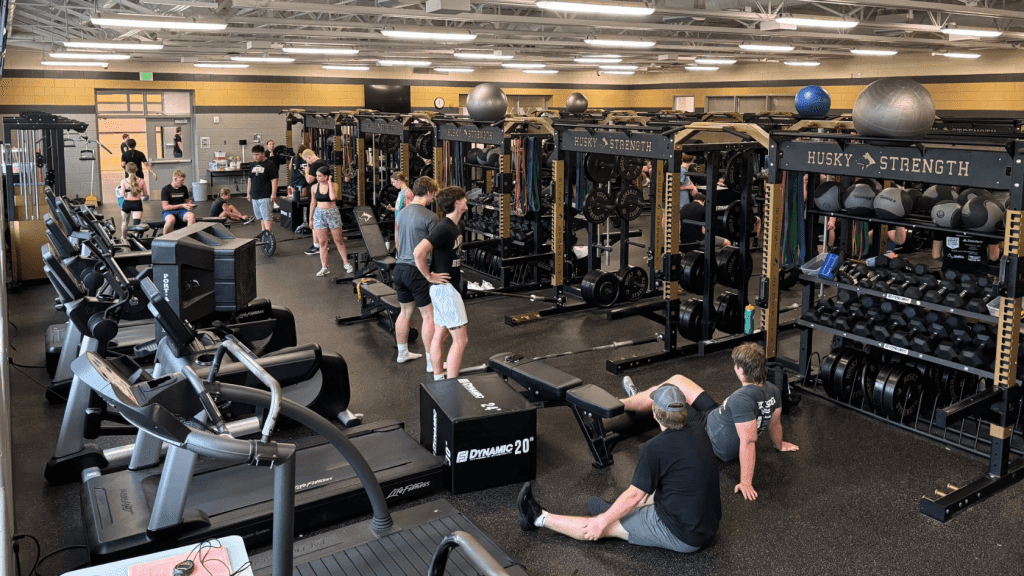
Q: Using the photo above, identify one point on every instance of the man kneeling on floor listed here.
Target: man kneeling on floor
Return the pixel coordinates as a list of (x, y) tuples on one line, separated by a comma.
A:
[(677, 466), (735, 425)]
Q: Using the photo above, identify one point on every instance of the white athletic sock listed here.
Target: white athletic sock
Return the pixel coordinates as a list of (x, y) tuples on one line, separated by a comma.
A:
[(403, 349), (539, 522), (315, 245), (439, 376), (430, 367)]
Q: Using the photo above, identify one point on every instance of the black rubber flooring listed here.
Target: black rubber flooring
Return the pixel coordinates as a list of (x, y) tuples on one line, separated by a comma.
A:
[(846, 503)]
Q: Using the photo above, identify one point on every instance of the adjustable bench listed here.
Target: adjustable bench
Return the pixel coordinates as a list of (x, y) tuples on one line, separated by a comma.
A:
[(377, 300), (378, 259), (547, 386)]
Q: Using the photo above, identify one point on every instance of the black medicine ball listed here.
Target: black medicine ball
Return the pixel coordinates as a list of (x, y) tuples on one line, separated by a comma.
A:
[(829, 196), (860, 199), (893, 203), (970, 193), (915, 197), (981, 214), (934, 195), (946, 214)]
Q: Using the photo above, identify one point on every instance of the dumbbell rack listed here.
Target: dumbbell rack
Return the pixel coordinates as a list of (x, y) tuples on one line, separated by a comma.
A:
[(995, 164)]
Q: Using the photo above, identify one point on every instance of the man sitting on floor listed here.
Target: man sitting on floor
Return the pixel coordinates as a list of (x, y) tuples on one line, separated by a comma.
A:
[(677, 466), (735, 425)]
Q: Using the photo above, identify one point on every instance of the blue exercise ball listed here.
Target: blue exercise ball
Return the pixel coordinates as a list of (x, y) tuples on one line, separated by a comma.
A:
[(894, 107), (813, 102), (487, 103)]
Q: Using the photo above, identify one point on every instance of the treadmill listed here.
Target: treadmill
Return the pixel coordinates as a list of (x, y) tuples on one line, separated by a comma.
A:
[(136, 511)]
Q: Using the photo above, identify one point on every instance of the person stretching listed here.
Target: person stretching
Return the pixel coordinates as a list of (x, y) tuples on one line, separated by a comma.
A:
[(222, 209)]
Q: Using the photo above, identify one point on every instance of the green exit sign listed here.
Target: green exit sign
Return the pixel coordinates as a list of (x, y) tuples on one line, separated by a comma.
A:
[(146, 76)]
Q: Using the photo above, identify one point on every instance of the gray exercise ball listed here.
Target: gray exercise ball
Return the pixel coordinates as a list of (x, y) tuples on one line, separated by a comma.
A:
[(486, 103), (860, 200), (576, 103), (894, 107), (981, 213), (893, 203), (829, 196), (946, 214), (936, 194)]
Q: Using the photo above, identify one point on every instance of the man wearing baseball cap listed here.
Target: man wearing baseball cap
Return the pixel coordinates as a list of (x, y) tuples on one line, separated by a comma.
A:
[(678, 466)]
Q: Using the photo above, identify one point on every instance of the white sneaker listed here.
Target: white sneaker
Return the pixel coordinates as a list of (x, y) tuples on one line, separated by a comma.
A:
[(473, 286), (349, 268), (276, 206), (628, 387), (487, 285), (323, 271), (402, 359)]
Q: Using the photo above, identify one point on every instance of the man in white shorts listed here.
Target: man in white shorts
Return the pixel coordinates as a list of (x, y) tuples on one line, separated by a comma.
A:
[(445, 240)]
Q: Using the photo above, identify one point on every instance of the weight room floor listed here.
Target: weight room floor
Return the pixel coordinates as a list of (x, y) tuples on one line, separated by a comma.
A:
[(845, 503)]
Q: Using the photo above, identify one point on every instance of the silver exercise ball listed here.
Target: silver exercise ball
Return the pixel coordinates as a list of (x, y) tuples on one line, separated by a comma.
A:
[(486, 103), (894, 107), (576, 103)]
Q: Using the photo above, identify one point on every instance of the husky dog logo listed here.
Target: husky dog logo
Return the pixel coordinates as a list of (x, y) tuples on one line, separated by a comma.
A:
[(866, 160)]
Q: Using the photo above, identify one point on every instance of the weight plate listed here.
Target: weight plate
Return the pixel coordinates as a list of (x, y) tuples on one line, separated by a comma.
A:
[(627, 203), (425, 145), (633, 282), (729, 223), (389, 143), (691, 317), (630, 167), (600, 288), (597, 205), (902, 394), (600, 167), (847, 375), (727, 267), (878, 387), (867, 381), (692, 272), (828, 369), (416, 166), (728, 313), (268, 243), (736, 171)]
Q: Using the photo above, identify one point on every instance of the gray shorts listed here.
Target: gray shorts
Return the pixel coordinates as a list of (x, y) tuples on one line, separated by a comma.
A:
[(262, 209), (645, 528), (329, 218), (449, 310)]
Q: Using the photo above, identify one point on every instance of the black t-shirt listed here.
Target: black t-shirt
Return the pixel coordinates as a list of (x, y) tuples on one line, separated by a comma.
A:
[(174, 195), (138, 158), (691, 232), (261, 176), (177, 146), (124, 148), (217, 208), (679, 467), (446, 238), (316, 166), (298, 173), (963, 253)]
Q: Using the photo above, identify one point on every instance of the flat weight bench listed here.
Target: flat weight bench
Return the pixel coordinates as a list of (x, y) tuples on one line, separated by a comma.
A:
[(380, 301), (547, 386)]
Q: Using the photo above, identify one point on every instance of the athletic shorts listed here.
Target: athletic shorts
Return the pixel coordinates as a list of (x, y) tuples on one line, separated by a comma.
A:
[(262, 209), (179, 215), (449, 310), (703, 404), (645, 528), (411, 286), (326, 218), (130, 205)]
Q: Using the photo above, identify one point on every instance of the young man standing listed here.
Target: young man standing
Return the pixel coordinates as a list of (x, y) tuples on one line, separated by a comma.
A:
[(677, 466), (176, 203), (138, 158), (124, 143), (414, 224), (178, 150), (444, 240), (735, 425), (261, 187)]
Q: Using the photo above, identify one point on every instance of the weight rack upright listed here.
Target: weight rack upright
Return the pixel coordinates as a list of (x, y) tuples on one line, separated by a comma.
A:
[(383, 135)]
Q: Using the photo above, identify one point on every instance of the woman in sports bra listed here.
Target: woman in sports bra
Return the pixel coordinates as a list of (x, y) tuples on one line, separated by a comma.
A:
[(133, 189), (325, 219)]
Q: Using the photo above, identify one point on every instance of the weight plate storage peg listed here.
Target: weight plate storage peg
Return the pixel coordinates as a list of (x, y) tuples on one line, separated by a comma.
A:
[(633, 282), (600, 288), (267, 242), (691, 317), (597, 205), (600, 167), (630, 167), (627, 203)]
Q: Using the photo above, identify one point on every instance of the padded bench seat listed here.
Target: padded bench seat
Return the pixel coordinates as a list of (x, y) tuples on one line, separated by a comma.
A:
[(595, 400), (540, 378), (381, 292)]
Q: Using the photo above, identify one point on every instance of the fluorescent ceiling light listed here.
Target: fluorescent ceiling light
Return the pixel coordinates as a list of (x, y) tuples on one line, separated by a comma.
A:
[(79, 63), (612, 9), (264, 59), (766, 47), (963, 55), (801, 63), (545, 71), (353, 68), (873, 52), (715, 61), (618, 67), (422, 63), (155, 22), (113, 46), (702, 68), (325, 51), (620, 43), (816, 22), (219, 65), (523, 65), (619, 72), (595, 60), (971, 32), (483, 56), (88, 56), (427, 35), (453, 70)]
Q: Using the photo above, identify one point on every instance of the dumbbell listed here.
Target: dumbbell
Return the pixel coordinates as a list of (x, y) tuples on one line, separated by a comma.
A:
[(937, 296), (861, 306), (909, 280), (958, 299), (876, 280), (897, 263), (925, 282), (928, 328), (846, 322), (885, 330), (981, 349), (820, 309)]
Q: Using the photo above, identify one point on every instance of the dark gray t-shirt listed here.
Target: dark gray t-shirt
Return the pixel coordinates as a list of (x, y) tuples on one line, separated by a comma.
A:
[(746, 404), (414, 223)]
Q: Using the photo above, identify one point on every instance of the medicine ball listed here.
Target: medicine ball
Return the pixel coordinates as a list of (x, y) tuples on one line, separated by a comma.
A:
[(981, 214), (893, 203), (970, 193), (915, 197), (946, 214), (473, 157), (493, 157), (1001, 198), (870, 182), (829, 196), (860, 199), (936, 194)]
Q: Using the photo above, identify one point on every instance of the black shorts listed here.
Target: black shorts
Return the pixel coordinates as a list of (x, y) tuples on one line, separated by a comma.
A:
[(703, 405), (411, 286), (132, 206)]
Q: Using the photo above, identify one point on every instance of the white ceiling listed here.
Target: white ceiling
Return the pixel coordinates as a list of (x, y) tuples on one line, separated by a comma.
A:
[(682, 29)]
